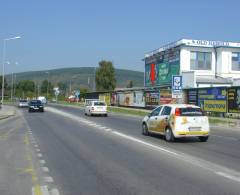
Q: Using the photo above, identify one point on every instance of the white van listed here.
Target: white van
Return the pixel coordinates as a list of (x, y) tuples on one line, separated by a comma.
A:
[(42, 99)]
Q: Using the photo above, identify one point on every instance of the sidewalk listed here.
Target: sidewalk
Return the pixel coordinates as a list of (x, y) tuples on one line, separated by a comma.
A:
[(7, 111)]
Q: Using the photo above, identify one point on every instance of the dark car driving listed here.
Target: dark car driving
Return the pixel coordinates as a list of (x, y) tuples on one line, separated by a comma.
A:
[(35, 106)]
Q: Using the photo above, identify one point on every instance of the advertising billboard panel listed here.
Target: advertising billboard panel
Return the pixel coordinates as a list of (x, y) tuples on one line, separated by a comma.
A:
[(160, 68), (166, 97), (114, 99), (138, 99), (234, 100), (125, 98), (213, 99), (192, 97), (151, 98)]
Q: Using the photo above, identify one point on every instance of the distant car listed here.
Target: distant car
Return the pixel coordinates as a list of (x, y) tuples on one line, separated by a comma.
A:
[(35, 106), (176, 121), (54, 100), (96, 108), (23, 104)]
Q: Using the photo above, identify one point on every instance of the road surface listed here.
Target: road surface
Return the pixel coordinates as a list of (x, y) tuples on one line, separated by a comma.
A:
[(109, 155)]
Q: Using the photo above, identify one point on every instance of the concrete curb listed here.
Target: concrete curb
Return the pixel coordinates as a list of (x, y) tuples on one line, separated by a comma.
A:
[(4, 114)]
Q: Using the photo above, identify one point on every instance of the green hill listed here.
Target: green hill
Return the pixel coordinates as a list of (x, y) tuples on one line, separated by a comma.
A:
[(79, 77)]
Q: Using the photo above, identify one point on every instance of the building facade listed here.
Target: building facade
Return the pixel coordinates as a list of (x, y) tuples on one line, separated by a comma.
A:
[(202, 63)]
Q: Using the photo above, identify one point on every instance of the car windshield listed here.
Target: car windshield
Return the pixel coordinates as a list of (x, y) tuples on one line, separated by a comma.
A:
[(190, 111), (99, 104), (23, 101), (35, 102)]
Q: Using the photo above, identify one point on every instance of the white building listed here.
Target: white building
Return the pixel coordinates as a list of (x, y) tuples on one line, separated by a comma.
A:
[(202, 63)]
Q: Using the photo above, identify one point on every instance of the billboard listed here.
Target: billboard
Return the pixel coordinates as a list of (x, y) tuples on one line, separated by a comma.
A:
[(151, 98), (131, 98), (138, 99), (234, 100), (125, 98), (192, 96), (159, 70), (105, 97), (215, 105), (114, 99), (213, 99), (166, 97)]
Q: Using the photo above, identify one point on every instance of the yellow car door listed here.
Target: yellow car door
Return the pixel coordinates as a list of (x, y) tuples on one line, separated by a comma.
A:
[(153, 118), (163, 119)]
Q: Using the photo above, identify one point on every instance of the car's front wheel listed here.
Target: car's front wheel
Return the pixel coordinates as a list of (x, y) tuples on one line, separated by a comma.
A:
[(169, 135), (145, 129), (203, 138)]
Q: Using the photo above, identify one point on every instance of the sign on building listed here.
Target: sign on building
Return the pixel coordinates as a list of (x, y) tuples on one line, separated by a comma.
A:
[(213, 99), (234, 100)]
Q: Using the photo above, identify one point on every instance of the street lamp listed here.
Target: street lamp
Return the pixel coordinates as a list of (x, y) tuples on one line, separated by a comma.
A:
[(3, 62), (13, 84), (47, 84)]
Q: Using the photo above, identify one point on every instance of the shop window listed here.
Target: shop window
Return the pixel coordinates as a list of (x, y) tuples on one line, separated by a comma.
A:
[(201, 60), (236, 61)]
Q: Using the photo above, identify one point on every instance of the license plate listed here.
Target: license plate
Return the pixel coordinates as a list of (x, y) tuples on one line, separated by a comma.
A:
[(194, 128)]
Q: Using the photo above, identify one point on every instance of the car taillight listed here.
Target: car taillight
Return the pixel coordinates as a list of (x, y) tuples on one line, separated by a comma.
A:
[(92, 108), (177, 112)]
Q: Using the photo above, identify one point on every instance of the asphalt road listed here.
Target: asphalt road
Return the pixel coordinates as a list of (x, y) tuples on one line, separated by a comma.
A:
[(108, 155)]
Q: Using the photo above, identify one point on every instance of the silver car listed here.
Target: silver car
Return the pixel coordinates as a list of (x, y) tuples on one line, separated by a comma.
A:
[(23, 104)]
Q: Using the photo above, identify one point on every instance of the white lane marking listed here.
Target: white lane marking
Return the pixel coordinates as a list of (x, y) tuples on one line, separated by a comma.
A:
[(207, 165), (143, 142), (42, 161), (225, 137), (38, 150), (232, 177), (48, 179), (55, 192), (44, 190), (45, 169), (39, 155), (36, 146)]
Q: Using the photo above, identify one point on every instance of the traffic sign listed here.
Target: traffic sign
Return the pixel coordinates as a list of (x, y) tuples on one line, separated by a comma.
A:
[(77, 93), (177, 86)]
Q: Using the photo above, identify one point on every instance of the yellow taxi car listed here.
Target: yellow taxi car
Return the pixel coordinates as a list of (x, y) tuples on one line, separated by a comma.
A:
[(176, 121)]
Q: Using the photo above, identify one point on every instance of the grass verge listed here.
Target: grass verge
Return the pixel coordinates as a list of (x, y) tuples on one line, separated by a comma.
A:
[(128, 111)]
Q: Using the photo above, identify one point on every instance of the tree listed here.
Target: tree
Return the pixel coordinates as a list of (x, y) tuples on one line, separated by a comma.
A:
[(105, 76), (26, 86), (130, 84), (46, 86), (62, 87)]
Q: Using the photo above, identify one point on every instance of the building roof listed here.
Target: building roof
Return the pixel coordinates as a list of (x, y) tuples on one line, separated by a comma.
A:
[(194, 43)]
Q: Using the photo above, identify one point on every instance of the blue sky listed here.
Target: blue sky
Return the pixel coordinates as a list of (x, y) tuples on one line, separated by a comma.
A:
[(79, 33)]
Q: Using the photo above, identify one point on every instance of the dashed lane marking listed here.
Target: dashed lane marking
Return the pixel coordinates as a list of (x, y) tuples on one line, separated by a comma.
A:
[(48, 179), (42, 161), (45, 169), (39, 155)]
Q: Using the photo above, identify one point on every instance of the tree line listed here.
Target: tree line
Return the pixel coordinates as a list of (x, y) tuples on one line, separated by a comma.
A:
[(105, 80)]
